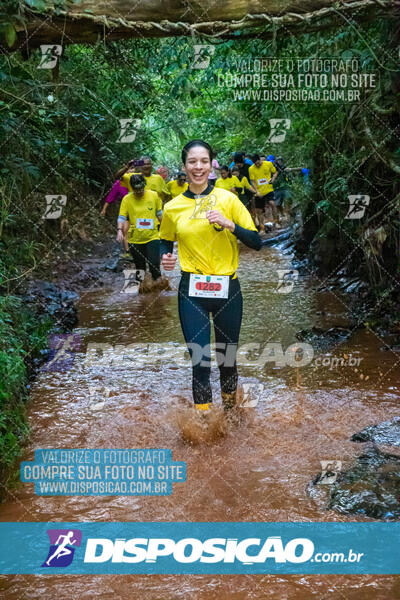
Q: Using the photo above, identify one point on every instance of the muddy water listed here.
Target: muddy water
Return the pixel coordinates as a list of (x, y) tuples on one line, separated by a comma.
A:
[(261, 468)]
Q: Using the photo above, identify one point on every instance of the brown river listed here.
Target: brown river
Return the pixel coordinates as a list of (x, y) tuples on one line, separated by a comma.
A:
[(259, 470)]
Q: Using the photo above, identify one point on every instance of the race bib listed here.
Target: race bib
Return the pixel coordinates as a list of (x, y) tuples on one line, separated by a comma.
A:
[(262, 181), (144, 223), (209, 286)]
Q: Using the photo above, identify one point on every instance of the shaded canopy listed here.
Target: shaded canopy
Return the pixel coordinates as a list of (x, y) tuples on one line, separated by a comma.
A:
[(89, 21)]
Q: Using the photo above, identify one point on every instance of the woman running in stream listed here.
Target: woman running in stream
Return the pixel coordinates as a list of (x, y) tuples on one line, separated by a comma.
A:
[(141, 210), (206, 222), (227, 181)]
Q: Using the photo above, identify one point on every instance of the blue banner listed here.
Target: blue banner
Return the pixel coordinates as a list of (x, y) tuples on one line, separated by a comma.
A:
[(103, 472), (199, 548)]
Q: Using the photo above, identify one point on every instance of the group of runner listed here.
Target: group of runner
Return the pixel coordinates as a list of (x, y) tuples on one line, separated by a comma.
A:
[(206, 209)]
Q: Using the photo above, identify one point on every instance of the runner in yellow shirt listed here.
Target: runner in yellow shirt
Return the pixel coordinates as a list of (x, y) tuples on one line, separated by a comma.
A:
[(178, 186), (227, 182), (142, 208), (154, 182), (262, 176), (206, 222), (247, 191)]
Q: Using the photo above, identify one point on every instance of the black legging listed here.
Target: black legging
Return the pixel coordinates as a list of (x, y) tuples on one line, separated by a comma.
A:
[(194, 314), (149, 252)]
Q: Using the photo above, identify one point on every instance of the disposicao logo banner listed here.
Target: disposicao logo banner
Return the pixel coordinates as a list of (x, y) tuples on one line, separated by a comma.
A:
[(199, 548), (62, 547)]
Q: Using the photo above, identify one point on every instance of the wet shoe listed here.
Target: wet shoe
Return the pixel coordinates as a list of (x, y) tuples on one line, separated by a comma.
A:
[(204, 408), (126, 255), (228, 400)]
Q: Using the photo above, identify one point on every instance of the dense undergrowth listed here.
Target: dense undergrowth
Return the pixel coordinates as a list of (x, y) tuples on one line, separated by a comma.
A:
[(22, 336)]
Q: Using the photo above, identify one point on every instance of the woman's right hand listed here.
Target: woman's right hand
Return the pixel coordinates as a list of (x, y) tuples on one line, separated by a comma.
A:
[(120, 236), (168, 261)]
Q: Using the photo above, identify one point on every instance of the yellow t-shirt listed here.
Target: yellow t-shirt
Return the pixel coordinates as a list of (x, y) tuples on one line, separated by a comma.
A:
[(244, 184), (228, 183), (261, 175), (175, 189), (201, 248), (142, 216), (125, 180), (155, 183)]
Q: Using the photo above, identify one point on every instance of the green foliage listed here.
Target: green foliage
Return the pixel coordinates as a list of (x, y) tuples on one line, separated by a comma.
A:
[(70, 122), (59, 132), (10, 15), (22, 336)]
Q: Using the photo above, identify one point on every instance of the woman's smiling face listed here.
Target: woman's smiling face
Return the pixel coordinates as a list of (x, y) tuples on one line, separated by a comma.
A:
[(198, 165)]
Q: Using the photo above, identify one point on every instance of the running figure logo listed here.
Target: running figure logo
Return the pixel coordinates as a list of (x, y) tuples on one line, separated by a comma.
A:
[(202, 55), (203, 204), (133, 277), (252, 394), (286, 282), (50, 56), (55, 205), (62, 547), (279, 128), (128, 130), (62, 351), (97, 395), (357, 206), (330, 469)]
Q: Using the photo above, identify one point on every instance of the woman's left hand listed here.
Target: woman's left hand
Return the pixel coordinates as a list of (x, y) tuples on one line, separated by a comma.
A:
[(215, 217)]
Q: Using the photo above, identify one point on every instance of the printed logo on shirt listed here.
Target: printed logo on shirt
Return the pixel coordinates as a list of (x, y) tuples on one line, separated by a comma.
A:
[(203, 205)]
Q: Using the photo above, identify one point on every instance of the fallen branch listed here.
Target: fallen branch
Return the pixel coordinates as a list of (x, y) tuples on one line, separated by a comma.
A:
[(48, 25)]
